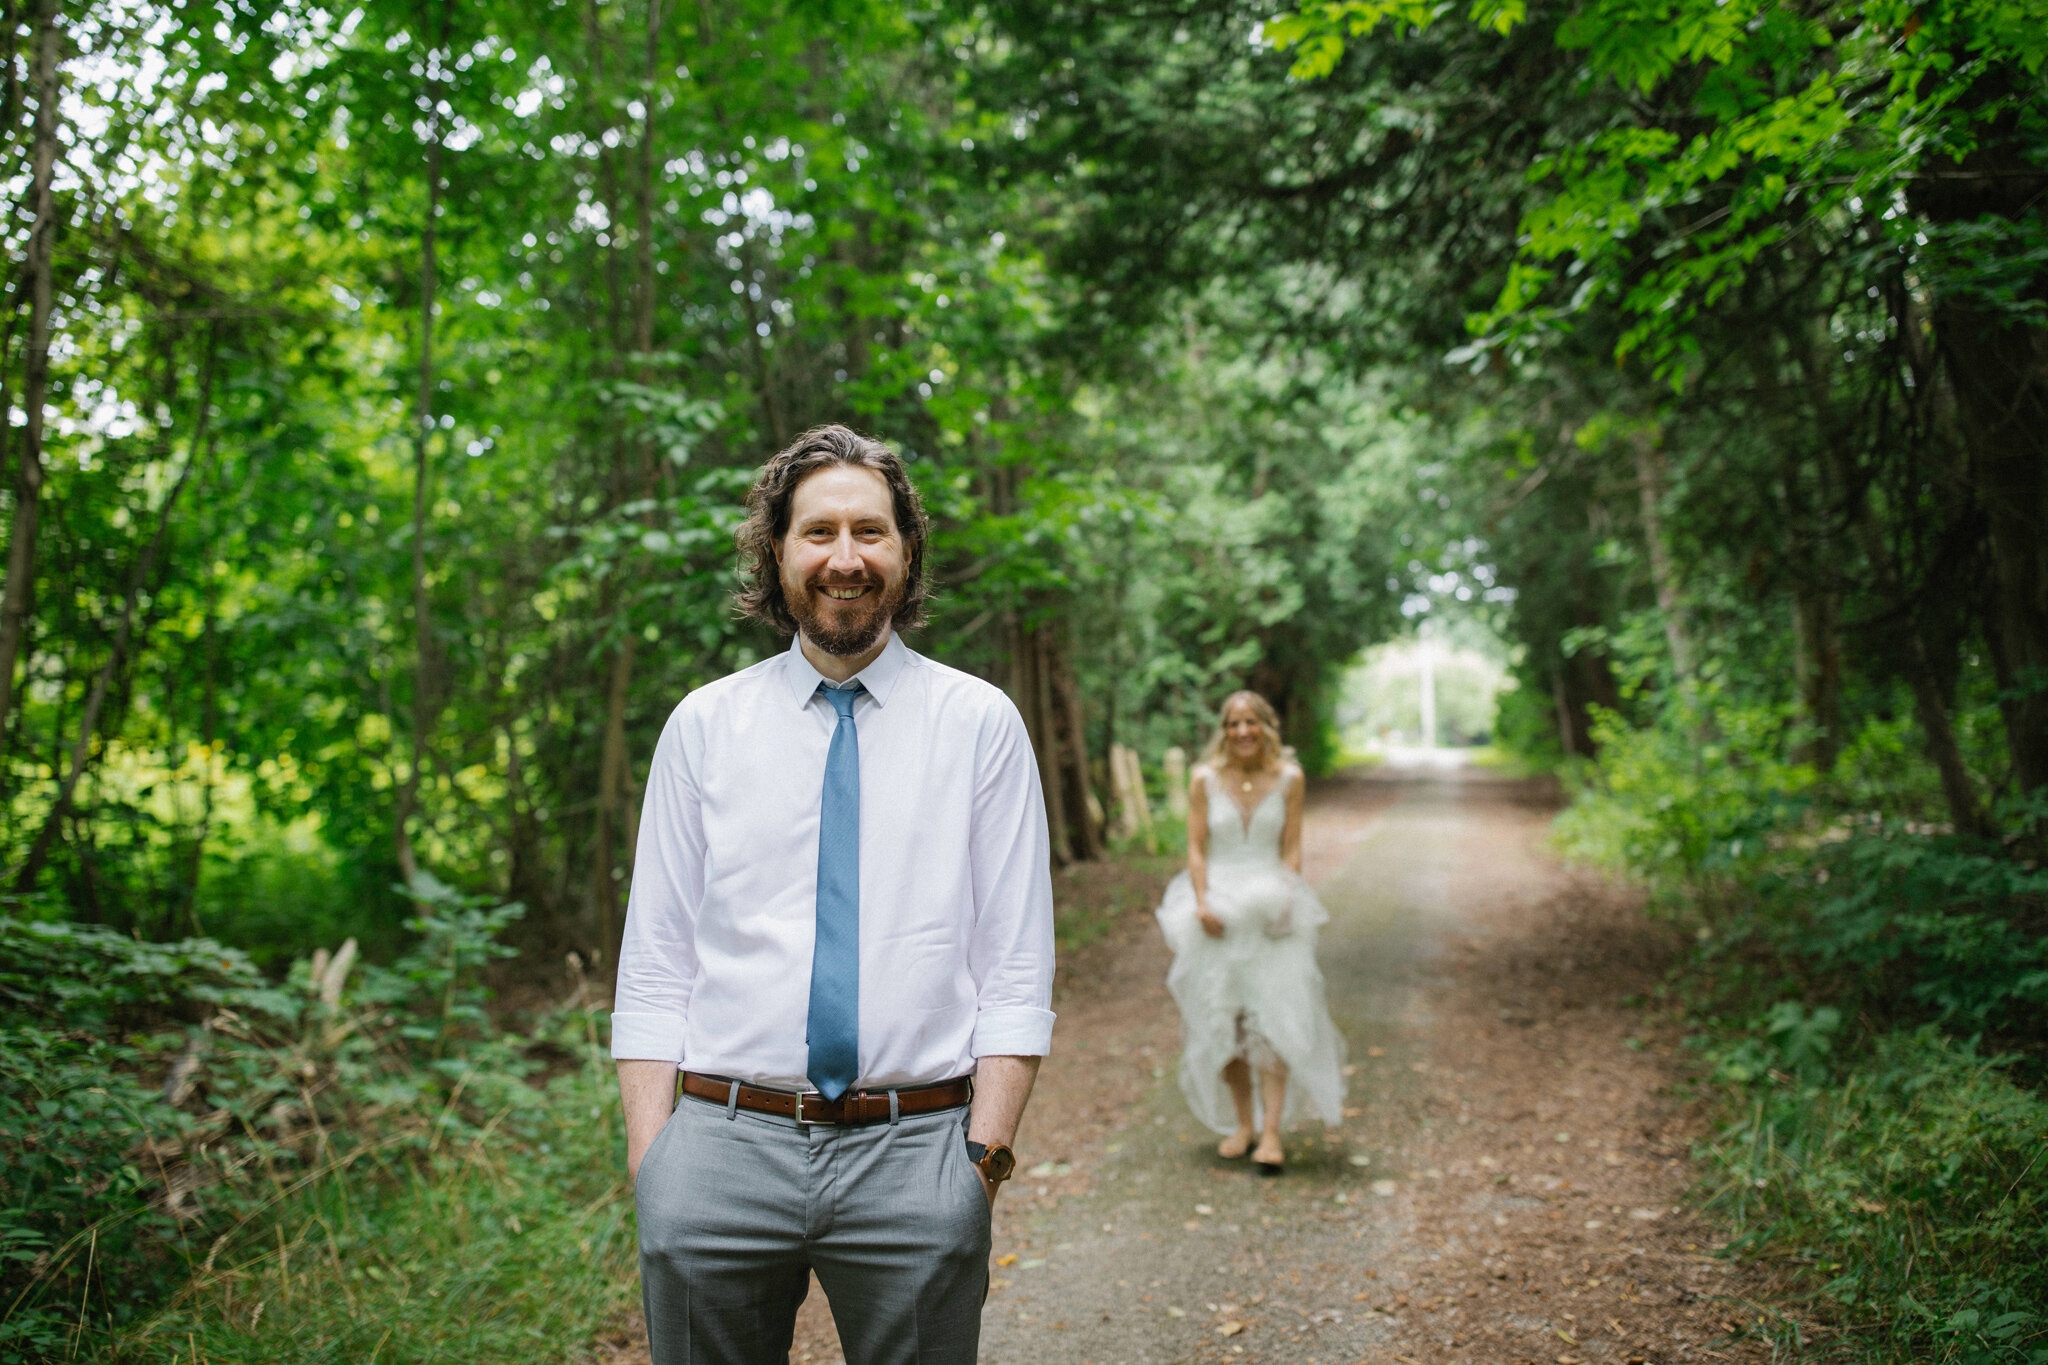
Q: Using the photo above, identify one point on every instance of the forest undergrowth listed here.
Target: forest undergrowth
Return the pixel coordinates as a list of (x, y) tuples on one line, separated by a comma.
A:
[(193, 1146), (1865, 1004)]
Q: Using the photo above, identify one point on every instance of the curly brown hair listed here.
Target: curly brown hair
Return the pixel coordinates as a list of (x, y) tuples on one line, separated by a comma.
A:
[(760, 597)]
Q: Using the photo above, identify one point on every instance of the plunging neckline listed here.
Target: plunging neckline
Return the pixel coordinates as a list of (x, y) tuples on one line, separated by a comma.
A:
[(1245, 817)]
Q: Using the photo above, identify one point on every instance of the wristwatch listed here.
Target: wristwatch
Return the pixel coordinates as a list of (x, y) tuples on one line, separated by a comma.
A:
[(996, 1163)]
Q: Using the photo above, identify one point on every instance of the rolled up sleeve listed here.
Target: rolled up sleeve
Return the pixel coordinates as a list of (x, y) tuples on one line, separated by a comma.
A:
[(1011, 951), (658, 954)]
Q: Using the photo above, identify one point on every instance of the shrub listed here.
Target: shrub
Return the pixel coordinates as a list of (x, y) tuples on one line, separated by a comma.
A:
[(157, 1097), (1894, 919), (1908, 926), (1681, 811)]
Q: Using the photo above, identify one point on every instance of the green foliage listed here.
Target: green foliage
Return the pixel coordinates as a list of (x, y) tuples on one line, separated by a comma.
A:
[(512, 1242), (1906, 1178), (1525, 728), (664, 241), (1679, 345), (79, 1127), (1849, 968), (1721, 288), (1755, 122), (1892, 921), (162, 1097), (1679, 811), (1905, 924)]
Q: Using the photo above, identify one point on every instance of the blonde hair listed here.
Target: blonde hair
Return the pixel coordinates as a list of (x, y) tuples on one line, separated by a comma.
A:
[(1272, 753)]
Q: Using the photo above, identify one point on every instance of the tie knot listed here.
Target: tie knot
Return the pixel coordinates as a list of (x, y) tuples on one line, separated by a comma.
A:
[(841, 698)]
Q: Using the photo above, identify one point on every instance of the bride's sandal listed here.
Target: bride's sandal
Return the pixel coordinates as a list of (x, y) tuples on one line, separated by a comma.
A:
[(1235, 1146), (1270, 1158)]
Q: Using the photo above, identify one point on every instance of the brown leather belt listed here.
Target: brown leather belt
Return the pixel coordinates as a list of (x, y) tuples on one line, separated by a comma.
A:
[(855, 1106)]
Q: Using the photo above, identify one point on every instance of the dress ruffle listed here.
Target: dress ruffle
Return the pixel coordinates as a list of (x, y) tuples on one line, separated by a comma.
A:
[(1255, 989)]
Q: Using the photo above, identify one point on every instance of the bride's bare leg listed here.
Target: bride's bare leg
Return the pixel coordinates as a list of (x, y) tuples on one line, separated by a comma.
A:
[(1273, 1098), (1238, 1077)]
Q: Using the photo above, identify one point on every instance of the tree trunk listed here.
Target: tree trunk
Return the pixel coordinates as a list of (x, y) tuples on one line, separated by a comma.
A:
[(423, 679), (1997, 366), (1031, 690), (193, 864), (1049, 748), (1932, 712), (1127, 786), (1566, 740), (850, 253), (1999, 372), (1087, 836), (613, 760), (21, 544), (524, 879), (1587, 682), (773, 418), (1817, 664), (1929, 707), (610, 781), (650, 92), (1663, 577), (1597, 685)]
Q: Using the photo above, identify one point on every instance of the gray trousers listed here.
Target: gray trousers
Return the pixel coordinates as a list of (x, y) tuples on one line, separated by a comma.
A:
[(737, 1209)]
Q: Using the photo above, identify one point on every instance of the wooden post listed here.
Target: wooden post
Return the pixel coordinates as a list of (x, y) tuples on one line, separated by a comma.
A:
[(1176, 764), (1134, 813)]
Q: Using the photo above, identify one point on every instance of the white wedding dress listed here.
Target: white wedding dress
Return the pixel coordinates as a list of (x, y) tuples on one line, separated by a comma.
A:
[(1255, 993)]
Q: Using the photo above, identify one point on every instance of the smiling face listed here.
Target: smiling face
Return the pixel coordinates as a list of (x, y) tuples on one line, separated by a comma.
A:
[(842, 560), (1244, 738)]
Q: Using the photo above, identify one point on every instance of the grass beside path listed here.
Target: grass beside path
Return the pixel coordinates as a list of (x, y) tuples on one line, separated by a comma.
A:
[(1902, 1199), (514, 1247)]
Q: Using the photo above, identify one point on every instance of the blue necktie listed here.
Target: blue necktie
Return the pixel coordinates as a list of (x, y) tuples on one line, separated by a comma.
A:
[(834, 1031)]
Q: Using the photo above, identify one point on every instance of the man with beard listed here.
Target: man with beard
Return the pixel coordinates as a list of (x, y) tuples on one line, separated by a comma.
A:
[(840, 935)]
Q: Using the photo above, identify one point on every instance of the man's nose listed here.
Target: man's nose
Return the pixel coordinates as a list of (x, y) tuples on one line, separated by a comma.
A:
[(845, 554)]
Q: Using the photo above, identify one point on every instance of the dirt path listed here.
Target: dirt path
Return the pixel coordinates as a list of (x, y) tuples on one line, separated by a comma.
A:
[(1505, 1191), (1505, 1187)]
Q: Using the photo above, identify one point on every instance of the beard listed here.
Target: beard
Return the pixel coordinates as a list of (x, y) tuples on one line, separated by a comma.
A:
[(849, 630)]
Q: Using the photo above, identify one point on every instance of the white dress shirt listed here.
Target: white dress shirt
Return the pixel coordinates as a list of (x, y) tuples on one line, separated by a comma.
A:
[(956, 952)]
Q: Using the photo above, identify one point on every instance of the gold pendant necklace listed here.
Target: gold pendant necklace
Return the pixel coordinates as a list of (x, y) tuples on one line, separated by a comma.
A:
[(1246, 785)]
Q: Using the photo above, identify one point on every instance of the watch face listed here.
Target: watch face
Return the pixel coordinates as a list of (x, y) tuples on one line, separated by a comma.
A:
[(1001, 1162)]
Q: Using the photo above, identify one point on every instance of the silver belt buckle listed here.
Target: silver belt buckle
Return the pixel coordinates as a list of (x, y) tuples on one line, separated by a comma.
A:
[(803, 1095)]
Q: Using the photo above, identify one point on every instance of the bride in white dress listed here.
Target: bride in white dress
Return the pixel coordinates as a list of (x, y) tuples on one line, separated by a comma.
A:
[(1242, 926)]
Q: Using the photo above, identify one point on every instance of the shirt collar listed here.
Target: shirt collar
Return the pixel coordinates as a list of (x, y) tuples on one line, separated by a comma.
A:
[(879, 677)]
